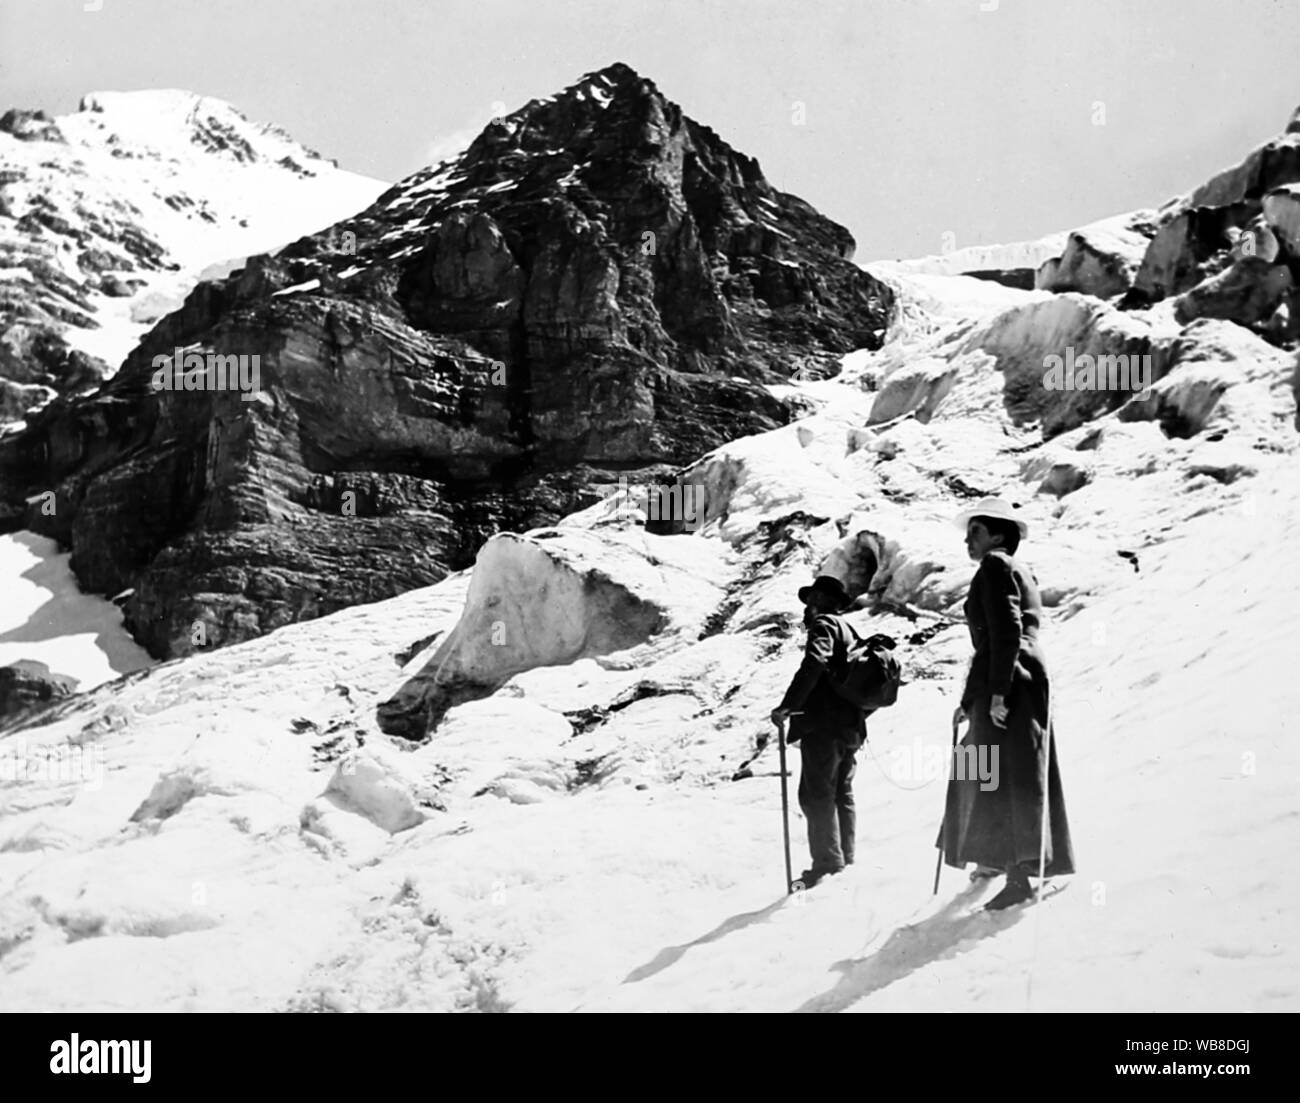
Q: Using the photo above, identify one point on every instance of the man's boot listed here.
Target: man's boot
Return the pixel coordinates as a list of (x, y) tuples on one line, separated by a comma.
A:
[(810, 877)]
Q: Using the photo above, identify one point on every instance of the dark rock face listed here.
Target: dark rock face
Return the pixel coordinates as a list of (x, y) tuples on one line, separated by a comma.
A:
[(28, 686), (597, 287)]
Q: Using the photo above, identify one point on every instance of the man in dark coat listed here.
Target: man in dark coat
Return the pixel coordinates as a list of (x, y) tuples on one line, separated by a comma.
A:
[(828, 729), (1007, 701)]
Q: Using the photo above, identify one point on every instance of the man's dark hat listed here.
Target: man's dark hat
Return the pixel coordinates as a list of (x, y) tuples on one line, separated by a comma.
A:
[(831, 587)]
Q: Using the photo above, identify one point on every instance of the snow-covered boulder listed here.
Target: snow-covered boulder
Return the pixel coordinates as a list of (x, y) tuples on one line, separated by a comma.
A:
[(918, 388), (1058, 470), (370, 783), (1100, 261), (551, 597)]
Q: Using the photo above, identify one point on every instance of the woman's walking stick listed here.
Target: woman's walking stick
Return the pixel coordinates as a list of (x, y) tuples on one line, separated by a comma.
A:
[(938, 865), (1047, 790), (1042, 849), (785, 808)]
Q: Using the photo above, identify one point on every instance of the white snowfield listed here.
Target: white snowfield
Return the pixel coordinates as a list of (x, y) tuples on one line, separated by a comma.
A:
[(185, 173), (244, 837)]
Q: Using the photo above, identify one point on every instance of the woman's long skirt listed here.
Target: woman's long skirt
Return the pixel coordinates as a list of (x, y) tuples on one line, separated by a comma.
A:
[(996, 819)]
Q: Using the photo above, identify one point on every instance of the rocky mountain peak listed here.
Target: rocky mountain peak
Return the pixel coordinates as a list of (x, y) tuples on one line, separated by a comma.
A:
[(617, 86), (614, 113)]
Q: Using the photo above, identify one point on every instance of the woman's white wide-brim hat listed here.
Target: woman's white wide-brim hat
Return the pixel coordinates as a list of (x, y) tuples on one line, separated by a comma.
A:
[(992, 507)]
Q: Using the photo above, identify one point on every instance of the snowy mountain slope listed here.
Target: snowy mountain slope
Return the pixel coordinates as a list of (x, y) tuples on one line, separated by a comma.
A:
[(110, 215), (238, 833)]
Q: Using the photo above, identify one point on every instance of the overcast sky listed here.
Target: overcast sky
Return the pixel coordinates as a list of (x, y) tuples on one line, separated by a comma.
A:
[(902, 119)]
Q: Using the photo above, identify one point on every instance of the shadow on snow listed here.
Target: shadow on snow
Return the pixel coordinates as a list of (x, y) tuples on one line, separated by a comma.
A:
[(670, 955), (952, 931)]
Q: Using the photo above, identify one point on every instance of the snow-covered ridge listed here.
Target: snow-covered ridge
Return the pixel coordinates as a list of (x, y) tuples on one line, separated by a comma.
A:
[(109, 215), (1114, 230), (170, 121), (980, 258)]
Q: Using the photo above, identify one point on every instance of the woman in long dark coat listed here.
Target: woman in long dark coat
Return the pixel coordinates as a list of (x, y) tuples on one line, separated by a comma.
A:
[(1007, 701)]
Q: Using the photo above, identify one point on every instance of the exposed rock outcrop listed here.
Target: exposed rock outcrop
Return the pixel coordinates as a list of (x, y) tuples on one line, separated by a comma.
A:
[(30, 126), (28, 686)]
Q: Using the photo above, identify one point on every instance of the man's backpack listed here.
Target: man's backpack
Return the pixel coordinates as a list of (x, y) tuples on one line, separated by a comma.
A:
[(869, 674)]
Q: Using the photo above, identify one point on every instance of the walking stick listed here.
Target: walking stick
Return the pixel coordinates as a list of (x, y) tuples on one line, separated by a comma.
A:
[(785, 808), (938, 865), (1042, 851), (1047, 792)]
